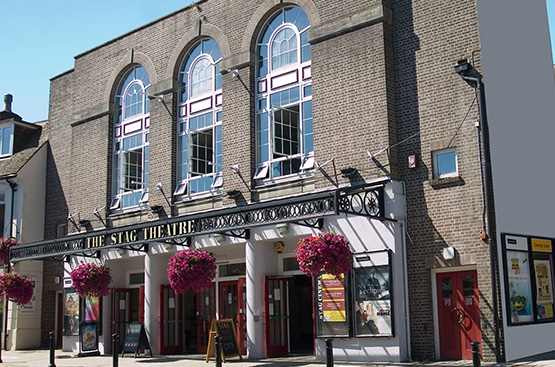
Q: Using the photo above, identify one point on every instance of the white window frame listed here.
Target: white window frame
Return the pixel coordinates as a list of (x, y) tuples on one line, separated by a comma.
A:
[(186, 177), (3, 130), (264, 172), (436, 154)]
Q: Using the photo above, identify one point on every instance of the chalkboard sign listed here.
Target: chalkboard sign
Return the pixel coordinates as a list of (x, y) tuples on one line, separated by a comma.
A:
[(135, 339), (230, 346)]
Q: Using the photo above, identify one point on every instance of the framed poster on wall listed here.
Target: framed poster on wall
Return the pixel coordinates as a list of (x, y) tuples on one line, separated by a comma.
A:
[(519, 292), (71, 312), (373, 315)]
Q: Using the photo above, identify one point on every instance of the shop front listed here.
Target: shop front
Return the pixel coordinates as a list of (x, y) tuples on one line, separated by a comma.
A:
[(274, 307)]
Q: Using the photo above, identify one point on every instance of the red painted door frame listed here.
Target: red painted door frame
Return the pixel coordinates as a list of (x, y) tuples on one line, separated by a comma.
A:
[(232, 306), (458, 313), (277, 317), (206, 312), (171, 321)]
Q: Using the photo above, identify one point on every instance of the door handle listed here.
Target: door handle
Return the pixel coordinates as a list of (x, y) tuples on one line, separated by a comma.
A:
[(457, 315)]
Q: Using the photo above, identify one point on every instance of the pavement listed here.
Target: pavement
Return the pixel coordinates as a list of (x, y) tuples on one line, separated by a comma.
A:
[(41, 358)]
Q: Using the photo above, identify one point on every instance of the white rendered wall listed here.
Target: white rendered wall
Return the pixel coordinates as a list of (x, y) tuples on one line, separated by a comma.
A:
[(520, 98)]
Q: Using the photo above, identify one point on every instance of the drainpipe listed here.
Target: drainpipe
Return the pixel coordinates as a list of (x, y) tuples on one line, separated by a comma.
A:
[(13, 186), (463, 68)]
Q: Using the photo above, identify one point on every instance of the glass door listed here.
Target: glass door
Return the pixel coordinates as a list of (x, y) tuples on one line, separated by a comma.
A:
[(277, 315), (171, 323)]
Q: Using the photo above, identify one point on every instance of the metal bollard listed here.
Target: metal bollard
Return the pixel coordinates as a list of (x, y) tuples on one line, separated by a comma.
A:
[(218, 347), (52, 346), (115, 344), (329, 353), (475, 354)]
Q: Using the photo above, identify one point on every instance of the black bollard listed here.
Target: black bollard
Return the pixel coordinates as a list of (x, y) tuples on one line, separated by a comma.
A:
[(115, 344), (218, 347), (329, 353), (52, 346), (475, 354)]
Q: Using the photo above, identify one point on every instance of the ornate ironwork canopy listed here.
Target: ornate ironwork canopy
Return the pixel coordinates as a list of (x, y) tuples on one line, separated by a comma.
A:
[(307, 210)]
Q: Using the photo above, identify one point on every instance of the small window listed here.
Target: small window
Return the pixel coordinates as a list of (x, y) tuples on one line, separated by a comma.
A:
[(6, 141), (308, 163), (115, 203), (61, 230), (445, 163), (180, 189), (218, 182), (261, 172)]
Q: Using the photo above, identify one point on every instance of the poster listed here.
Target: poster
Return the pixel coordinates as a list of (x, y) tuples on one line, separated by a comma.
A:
[(518, 275), (92, 309), (71, 312), (333, 298), (31, 307), (373, 314), (89, 337), (543, 281)]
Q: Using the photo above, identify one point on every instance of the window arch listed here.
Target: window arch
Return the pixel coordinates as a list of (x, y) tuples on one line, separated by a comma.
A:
[(131, 127), (199, 135), (284, 137)]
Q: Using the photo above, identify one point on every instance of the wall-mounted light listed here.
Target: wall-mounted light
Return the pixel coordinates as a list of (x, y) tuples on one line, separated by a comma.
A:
[(120, 251), (157, 209), (84, 222), (220, 238), (168, 246), (233, 194), (348, 172), (282, 228), (449, 253)]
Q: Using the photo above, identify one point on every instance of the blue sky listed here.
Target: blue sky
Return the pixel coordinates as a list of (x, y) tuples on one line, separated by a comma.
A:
[(39, 40)]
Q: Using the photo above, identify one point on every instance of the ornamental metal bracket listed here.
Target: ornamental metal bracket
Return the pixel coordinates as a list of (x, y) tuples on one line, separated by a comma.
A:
[(181, 241), (367, 201), (141, 247), (238, 233), (317, 223), (91, 254)]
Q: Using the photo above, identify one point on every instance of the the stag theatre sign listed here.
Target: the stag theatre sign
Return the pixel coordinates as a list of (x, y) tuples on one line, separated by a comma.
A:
[(159, 232)]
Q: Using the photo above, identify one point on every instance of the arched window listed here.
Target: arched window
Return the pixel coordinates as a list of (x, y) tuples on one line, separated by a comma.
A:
[(284, 137), (199, 134), (130, 167)]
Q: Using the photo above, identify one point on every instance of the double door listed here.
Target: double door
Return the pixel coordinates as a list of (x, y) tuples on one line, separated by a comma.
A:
[(458, 314), (185, 319), (127, 306)]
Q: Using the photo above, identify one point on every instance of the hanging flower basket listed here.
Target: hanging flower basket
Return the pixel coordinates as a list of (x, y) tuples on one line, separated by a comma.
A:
[(16, 287), (326, 252), (5, 244), (91, 280), (191, 269)]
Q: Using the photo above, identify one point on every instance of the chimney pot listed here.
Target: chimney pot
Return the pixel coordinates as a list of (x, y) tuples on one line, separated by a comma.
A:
[(8, 98)]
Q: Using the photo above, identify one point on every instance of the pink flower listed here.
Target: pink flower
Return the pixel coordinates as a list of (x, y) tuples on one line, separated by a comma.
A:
[(91, 280), (191, 269), (326, 252), (17, 288), (5, 244)]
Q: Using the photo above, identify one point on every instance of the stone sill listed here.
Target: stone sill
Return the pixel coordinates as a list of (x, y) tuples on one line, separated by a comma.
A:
[(439, 183)]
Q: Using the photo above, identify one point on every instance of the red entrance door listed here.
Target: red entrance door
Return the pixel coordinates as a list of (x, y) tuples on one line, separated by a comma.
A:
[(277, 316), (232, 300), (206, 312), (459, 314), (127, 306), (171, 321)]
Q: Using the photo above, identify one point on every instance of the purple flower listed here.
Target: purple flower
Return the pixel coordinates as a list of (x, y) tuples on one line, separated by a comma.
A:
[(326, 252), (191, 269), (17, 288), (91, 280)]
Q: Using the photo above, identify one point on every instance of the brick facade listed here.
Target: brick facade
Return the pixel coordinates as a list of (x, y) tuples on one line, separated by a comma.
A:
[(385, 81)]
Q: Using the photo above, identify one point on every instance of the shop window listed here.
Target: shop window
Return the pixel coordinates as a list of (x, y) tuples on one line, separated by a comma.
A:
[(445, 163), (528, 268), (199, 135), (284, 133), (358, 305), (231, 270)]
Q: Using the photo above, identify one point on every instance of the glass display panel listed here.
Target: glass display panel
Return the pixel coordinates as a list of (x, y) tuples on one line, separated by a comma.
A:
[(519, 282), (543, 271), (373, 314), (71, 312), (331, 311)]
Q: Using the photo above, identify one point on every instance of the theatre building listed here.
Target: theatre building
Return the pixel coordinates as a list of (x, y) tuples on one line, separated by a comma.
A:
[(240, 127)]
